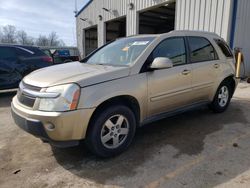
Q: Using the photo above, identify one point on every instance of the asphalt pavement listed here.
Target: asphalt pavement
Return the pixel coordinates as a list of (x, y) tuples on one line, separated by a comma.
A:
[(194, 149)]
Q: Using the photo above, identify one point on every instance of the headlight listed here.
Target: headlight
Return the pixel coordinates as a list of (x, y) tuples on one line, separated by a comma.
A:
[(67, 100)]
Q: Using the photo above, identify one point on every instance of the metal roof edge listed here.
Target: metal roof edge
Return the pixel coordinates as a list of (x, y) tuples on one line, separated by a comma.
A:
[(82, 9)]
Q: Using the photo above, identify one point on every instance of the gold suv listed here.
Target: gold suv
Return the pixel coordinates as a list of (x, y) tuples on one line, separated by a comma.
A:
[(125, 84)]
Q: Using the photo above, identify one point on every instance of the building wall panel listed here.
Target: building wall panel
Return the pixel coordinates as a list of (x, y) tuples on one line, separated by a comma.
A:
[(205, 15), (120, 8), (242, 31)]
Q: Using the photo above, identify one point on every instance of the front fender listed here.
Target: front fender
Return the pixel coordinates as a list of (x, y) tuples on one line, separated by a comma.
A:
[(135, 86)]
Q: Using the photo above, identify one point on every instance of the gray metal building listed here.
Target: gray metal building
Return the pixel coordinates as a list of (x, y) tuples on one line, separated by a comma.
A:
[(101, 21)]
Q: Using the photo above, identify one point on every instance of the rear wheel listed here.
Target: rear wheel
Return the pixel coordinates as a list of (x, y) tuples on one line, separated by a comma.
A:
[(222, 97), (111, 131)]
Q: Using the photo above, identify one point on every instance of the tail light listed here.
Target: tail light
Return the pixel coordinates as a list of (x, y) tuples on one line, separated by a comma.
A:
[(47, 59)]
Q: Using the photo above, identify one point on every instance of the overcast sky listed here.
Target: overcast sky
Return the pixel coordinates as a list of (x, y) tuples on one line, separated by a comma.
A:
[(42, 17)]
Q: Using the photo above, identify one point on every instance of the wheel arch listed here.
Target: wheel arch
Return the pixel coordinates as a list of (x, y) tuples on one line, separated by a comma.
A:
[(126, 100), (231, 80)]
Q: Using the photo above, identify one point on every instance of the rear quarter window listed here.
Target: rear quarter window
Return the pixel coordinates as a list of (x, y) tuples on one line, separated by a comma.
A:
[(224, 48)]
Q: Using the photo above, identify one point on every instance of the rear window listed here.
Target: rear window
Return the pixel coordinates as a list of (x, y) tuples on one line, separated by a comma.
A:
[(201, 50), (224, 48), (29, 51)]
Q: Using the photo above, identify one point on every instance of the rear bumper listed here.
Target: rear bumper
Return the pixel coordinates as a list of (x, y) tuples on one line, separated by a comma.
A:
[(68, 127)]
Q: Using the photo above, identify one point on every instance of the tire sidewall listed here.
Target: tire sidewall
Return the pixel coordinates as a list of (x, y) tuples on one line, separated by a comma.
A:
[(94, 135)]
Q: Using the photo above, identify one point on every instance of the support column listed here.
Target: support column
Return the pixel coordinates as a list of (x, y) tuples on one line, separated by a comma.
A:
[(101, 33), (132, 22)]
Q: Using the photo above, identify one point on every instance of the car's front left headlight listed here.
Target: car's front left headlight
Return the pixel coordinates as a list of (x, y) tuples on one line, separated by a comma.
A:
[(67, 99)]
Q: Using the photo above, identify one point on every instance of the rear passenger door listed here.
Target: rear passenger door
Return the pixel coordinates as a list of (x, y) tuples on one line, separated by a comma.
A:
[(205, 67)]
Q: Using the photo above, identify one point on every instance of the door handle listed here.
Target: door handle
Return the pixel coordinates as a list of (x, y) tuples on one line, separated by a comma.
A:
[(216, 65), (186, 72)]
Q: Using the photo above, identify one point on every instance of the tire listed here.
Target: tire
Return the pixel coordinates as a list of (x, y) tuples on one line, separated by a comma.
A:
[(107, 136), (222, 97)]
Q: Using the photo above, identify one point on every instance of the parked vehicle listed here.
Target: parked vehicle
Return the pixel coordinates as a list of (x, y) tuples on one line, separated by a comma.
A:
[(125, 84), (17, 61), (62, 54)]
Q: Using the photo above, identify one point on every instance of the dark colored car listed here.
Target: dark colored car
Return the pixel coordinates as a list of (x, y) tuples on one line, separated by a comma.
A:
[(62, 54), (17, 61)]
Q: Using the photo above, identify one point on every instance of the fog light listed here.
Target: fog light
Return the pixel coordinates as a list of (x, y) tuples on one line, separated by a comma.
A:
[(49, 126)]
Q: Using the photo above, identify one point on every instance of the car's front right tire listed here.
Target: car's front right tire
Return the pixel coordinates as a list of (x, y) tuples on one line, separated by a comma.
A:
[(111, 131)]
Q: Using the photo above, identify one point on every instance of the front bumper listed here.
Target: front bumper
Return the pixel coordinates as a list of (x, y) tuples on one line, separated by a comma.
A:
[(69, 127)]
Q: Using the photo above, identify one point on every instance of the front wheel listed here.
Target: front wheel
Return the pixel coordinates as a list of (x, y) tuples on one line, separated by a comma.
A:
[(111, 131), (222, 98)]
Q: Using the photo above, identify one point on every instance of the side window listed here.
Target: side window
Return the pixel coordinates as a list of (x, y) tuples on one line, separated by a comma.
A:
[(25, 51), (224, 48), (201, 50), (7, 54), (172, 48), (22, 53)]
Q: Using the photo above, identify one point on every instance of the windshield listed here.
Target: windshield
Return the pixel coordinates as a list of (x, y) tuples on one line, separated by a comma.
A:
[(121, 52)]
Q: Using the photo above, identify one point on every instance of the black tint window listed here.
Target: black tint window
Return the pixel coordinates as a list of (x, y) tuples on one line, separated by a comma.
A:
[(29, 51), (36, 50), (23, 53), (7, 54), (224, 48), (173, 48), (201, 49)]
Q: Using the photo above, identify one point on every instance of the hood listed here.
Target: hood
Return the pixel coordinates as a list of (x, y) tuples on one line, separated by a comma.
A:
[(75, 72)]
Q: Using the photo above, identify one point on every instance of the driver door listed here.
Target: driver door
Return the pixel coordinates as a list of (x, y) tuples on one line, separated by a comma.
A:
[(169, 89)]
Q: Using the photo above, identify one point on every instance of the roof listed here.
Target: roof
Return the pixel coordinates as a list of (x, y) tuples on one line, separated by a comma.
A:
[(179, 32), (16, 45), (195, 32), (82, 9)]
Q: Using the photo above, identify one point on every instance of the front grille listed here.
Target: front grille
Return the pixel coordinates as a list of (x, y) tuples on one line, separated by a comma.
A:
[(34, 88), (25, 99)]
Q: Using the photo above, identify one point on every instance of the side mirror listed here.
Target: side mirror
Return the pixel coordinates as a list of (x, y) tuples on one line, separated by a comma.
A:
[(161, 63)]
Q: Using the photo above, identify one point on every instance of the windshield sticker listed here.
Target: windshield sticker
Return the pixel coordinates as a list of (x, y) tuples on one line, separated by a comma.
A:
[(140, 43), (125, 49)]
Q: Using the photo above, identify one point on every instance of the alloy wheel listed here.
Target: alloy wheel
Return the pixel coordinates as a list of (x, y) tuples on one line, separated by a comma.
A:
[(114, 131), (223, 96)]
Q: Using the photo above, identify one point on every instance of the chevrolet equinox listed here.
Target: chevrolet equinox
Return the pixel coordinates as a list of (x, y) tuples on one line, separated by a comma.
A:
[(123, 85)]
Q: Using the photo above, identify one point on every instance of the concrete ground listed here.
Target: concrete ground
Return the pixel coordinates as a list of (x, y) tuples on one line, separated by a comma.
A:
[(194, 149)]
